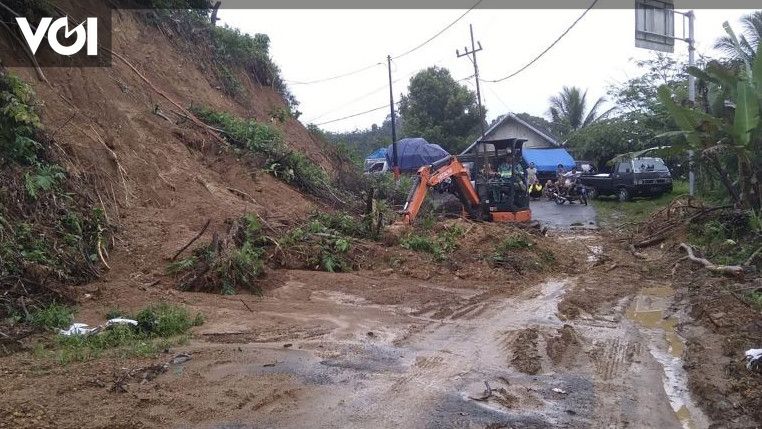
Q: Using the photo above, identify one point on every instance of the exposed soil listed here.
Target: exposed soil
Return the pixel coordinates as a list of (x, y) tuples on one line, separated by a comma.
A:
[(592, 338)]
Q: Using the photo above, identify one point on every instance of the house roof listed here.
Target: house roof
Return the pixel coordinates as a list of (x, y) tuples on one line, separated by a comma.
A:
[(513, 117)]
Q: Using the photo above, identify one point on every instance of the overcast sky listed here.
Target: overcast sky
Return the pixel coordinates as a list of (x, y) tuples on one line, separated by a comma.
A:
[(313, 44)]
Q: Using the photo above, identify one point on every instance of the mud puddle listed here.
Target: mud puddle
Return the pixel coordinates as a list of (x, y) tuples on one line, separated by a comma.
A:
[(650, 311)]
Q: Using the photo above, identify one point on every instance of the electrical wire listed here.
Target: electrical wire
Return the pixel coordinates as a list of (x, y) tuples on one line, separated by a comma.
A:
[(368, 67), (410, 51), (386, 106), (546, 49), (296, 82), (375, 109)]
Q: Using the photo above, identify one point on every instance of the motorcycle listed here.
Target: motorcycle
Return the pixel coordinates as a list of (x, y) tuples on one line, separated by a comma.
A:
[(571, 191)]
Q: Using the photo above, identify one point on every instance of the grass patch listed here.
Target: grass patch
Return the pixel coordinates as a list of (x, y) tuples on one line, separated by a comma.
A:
[(438, 244), (755, 298), (612, 213), (159, 326)]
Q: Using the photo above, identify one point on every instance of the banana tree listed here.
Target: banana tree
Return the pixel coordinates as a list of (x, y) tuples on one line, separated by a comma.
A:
[(729, 123)]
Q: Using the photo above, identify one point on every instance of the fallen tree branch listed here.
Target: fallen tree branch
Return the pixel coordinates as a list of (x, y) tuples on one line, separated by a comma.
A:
[(734, 270), (193, 240), (29, 54)]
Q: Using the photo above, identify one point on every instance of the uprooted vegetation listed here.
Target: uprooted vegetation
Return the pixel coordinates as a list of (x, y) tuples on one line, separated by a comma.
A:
[(53, 233), (159, 327), (265, 144), (228, 263)]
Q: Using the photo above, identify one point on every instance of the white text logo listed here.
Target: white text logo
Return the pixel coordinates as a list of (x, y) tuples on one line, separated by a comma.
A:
[(86, 34)]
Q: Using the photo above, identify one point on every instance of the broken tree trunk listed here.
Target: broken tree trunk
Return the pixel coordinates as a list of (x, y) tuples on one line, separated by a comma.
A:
[(734, 270)]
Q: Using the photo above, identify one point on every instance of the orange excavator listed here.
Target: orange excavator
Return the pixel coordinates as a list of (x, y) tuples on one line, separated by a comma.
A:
[(498, 192)]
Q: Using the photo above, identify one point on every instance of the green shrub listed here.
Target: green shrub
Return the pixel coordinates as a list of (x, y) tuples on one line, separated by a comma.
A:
[(440, 244), (52, 316), (18, 122), (164, 320)]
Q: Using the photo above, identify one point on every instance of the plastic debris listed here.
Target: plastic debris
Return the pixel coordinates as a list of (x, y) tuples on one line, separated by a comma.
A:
[(754, 359), (561, 391), (121, 321), (77, 329), (85, 329)]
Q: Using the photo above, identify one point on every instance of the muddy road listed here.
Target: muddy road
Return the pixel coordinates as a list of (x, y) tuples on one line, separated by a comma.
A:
[(381, 349)]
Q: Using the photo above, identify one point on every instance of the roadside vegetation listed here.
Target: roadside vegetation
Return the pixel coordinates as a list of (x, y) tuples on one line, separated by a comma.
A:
[(159, 327), (611, 213), (52, 233)]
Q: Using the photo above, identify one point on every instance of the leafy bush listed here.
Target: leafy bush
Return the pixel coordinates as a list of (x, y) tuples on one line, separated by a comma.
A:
[(52, 316), (18, 122)]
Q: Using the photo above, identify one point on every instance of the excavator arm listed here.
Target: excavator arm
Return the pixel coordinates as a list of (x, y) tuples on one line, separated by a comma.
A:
[(431, 175)]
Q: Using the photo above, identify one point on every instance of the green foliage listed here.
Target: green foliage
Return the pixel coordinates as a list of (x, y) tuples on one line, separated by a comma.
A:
[(440, 244), (612, 213), (262, 139), (604, 139), (363, 142), (728, 239), (440, 110), (18, 122), (159, 326), (52, 316), (569, 110), (225, 268), (755, 298), (233, 47), (230, 83), (728, 137), (519, 252), (164, 320), (43, 179)]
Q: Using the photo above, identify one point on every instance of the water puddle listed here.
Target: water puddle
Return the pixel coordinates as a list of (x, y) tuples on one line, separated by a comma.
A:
[(649, 310)]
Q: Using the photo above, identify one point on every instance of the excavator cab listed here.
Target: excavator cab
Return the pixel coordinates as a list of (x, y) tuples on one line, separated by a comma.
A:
[(499, 180), (493, 188)]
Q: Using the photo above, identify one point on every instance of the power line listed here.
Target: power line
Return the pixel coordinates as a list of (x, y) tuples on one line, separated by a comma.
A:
[(375, 109), (296, 82), (438, 33), (368, 67), (385, 106), (546, 49), (352, 101)]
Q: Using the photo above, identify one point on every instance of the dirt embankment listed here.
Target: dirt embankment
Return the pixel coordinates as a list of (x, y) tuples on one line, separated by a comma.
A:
[(159, 176)]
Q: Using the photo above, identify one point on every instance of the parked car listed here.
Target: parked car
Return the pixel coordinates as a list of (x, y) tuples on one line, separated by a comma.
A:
[(375, 166), (631, 178)]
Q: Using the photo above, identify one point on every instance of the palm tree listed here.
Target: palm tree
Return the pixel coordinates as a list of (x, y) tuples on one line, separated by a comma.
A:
[(748, 40), (569, 110)]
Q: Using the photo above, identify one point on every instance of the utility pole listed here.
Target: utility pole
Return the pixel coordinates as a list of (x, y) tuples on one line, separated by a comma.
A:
[(691, 96), (472, 56), (395, 161)]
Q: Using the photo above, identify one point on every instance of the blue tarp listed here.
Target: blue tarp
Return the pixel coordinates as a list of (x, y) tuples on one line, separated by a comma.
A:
[(547, 160), (414, 153), (377, 154)]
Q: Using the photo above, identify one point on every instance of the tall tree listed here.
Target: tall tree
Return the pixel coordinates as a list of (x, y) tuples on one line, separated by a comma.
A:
[(744, 47), (440, 110), (569, 110)]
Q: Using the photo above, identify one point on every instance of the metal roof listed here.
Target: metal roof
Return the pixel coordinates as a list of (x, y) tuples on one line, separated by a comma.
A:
[(507, 116)]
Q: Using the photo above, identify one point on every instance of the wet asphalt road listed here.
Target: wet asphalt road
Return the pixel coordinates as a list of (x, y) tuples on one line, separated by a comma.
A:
[(566, 216)]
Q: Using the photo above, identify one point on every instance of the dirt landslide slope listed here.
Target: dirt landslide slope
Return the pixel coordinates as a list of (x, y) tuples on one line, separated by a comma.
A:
[(160, 180)]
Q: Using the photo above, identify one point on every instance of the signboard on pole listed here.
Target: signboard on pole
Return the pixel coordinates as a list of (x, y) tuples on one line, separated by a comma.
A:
[(655, 25)]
